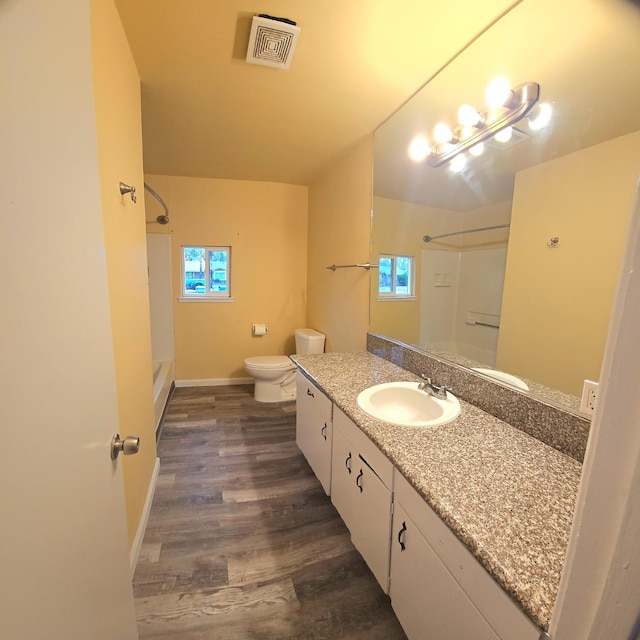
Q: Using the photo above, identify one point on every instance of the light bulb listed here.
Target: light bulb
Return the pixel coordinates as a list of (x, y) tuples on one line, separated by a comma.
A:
[(419, 149), (504, 135), (541, 115), (442, 133), (458, 163), (468, 116), (497, 93), (477, 149), (465, 132)]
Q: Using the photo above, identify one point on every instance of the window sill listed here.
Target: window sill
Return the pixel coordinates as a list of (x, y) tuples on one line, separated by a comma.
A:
[(394, 298), (204, 299)]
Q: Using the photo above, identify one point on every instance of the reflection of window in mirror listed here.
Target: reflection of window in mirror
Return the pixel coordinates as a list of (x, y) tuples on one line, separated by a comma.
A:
[(396, 276)]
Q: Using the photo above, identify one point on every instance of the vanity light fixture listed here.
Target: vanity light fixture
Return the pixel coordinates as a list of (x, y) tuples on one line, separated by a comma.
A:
[(442, 134), (469, 116), (458, 163), (540, 116), (498, 93), (419, 149), (477, 150), (506, 107), (504, 135)]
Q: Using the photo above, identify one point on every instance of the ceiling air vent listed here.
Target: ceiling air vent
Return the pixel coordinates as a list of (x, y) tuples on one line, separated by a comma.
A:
[(272, 41), (517, 136)]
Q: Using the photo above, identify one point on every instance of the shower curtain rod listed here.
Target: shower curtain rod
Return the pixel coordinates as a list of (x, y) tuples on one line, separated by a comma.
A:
[(459, 233), (162, 219)]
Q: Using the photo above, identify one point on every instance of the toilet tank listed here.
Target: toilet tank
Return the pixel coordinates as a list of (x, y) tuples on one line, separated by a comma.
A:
[(309, 341)]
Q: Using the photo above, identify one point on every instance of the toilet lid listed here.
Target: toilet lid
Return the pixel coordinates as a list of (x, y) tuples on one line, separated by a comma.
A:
[(270, 362)]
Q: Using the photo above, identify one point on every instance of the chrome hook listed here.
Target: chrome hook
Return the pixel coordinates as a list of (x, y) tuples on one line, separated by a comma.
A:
[(125, 188)]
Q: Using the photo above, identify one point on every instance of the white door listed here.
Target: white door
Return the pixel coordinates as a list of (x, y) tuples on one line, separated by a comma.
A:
[(63, 547)]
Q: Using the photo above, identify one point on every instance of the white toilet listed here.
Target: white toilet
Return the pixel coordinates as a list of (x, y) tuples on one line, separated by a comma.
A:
[(275, 376)]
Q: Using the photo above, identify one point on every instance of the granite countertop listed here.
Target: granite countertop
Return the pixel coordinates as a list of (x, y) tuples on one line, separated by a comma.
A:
[(507, 496)]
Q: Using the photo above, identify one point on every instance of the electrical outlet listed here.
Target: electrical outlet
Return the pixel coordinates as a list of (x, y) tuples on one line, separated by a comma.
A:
[(589, 395)]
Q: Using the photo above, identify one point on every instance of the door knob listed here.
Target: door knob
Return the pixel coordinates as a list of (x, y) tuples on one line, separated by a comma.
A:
[(128, 446)]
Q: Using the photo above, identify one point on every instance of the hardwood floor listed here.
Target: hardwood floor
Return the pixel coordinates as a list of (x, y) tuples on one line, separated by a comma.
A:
[(242, 543)]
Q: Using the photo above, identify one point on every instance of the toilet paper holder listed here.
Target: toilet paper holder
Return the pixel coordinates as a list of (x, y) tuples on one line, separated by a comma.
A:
[(259, 329)]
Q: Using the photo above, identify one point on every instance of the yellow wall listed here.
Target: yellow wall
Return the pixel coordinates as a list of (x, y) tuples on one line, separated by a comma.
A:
[(340, 233), (265, 224), (585, 199), (117, 101)]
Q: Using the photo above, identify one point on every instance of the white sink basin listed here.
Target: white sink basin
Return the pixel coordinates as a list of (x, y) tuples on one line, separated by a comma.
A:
[(403, 404)]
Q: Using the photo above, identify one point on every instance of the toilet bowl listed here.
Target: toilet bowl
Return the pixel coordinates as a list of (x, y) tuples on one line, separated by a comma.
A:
[(275, 376)]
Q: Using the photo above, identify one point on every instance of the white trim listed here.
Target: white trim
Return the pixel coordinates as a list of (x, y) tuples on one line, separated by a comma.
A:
[(212, 382), (205, 299), (393, 298), (597, 596), (144, 519), (208, 292), (393, 295)]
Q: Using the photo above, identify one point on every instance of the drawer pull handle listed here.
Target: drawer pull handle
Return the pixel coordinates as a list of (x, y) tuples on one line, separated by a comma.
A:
[(347, 463), (323, 431), (400, 542), (358, 483), (309, 393)]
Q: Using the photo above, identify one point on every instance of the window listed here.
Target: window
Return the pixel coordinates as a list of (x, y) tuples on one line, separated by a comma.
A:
[(206, 273), (395, 276)]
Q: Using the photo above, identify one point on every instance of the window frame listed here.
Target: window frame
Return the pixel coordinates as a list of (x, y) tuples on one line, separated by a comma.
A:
[(393, 294), (187, 295)]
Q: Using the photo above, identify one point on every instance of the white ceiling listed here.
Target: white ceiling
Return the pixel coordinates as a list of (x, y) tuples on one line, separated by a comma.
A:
[(207, 113)]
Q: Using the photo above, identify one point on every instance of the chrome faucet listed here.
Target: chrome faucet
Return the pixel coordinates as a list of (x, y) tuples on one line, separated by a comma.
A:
[(433, 389)]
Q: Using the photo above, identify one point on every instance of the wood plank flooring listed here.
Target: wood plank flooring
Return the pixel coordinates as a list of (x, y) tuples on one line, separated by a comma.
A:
[(242, 543)]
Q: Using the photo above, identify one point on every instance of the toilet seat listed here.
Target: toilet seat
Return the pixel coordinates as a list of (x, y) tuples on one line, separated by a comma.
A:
[(271, 363)]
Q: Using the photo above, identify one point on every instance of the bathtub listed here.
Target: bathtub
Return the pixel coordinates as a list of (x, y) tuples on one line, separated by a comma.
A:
[(163, 377)]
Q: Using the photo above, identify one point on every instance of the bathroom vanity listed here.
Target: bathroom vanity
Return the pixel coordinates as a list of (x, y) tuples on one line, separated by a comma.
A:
[(465, 525)]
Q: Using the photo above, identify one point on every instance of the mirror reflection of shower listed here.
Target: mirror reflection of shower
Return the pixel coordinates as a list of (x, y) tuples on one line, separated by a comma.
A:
[(164, 218)]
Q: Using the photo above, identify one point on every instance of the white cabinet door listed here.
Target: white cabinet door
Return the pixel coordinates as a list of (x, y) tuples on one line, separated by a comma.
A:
[(502, 614), (342, 476), (428, 601), (360, 495), (371, 525), (314, 429)]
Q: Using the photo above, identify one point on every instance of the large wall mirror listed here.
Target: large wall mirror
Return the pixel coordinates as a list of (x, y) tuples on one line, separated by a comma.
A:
[(529, 299)]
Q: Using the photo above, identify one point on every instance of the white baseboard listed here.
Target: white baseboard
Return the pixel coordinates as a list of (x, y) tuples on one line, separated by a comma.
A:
[(144, 518), (212, 382)]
